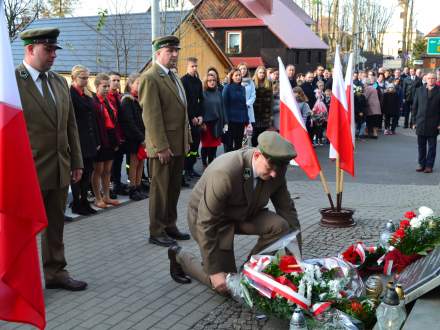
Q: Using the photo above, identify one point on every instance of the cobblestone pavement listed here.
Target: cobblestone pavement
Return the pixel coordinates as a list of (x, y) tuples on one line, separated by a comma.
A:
[(129, 282)]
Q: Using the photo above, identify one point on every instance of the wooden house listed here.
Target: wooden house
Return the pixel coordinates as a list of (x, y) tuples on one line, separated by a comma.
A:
[(258, 31)]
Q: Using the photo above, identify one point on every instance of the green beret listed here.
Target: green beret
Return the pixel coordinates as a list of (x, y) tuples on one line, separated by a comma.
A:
[(165, 42), (46, 36), (276, 148)]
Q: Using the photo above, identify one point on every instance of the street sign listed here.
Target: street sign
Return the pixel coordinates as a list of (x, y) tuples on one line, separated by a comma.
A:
[(433, 46), (418, 62)]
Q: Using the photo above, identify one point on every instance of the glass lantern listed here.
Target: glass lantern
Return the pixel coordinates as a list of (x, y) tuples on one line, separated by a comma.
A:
[(390, 315), (386, 234)]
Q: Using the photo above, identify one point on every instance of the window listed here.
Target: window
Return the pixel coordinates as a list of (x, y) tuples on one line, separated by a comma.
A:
[(233, 42), (171, 4), (309, 56)]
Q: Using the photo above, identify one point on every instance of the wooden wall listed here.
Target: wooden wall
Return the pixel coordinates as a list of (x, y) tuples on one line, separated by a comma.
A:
[(193, 43), (217, 9)]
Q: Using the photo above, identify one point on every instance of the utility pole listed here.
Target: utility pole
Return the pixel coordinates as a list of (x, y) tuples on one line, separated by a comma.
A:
[(155, 22), (355, 43), (404, 15)]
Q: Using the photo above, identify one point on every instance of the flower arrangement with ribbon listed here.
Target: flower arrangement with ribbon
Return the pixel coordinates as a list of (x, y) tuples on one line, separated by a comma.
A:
[(364, 258), (277, 284)]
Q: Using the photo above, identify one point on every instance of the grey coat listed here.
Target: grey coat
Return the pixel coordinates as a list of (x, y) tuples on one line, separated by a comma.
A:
[(426, 110)]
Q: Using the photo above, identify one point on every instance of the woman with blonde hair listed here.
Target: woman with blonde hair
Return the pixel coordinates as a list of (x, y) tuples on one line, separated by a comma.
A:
[(108, 123), (88, 132), (249, 86), (133, 129), (263, 105)]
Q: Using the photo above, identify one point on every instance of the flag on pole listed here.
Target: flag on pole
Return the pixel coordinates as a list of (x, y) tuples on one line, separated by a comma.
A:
[(338, 126), (294, 129), (350, 97), (22, 213)]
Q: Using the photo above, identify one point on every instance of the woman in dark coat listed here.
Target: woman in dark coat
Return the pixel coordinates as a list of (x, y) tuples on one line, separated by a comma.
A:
[(215, 121), (263, 105), (391, 109), (108, 125), (132, 125), (234, 100), (88, 134)]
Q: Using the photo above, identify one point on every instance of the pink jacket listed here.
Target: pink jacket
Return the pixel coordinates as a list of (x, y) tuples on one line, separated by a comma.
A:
[(373, 104)]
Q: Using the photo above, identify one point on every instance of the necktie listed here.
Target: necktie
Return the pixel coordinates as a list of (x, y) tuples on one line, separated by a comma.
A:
[(46, 93), (173, 79)]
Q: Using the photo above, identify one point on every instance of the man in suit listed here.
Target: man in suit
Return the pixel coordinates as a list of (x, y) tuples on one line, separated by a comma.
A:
[(51, 125), (426, 111), (291, 71), (231, 198), (167, 138), (410, 84)]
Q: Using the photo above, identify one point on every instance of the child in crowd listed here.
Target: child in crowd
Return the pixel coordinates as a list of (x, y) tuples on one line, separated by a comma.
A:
[(301, 98), (319, 115)]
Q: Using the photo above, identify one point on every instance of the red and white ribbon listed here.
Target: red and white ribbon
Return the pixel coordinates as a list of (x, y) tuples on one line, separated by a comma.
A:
[(283, 290), (320, 308), (388, 267)]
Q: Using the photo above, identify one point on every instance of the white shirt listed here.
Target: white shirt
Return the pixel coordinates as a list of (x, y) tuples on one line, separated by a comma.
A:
[(35, 74), (254, 176)]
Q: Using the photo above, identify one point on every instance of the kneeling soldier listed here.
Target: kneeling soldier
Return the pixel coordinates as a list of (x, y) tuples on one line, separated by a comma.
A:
[(231, 198)]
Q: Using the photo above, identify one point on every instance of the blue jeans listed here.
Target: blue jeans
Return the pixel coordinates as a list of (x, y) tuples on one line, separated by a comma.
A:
[(427, 159)]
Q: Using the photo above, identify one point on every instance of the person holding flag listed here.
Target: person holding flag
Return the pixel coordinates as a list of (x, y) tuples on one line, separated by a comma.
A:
[(53, 133)]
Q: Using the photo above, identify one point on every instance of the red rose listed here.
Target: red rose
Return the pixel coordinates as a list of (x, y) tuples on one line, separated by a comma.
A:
[(356, 307), (404, 223), (400, 233), (409, 215), (288, 264), (351, 255)]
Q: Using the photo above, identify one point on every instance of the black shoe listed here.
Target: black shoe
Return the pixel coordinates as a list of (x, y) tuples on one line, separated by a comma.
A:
[(184, 183), (162, 240), (194, 174), (142, 192), (134, 194), (78, 208), (88, 207), (177, 234), (176, 271), (68, 284)]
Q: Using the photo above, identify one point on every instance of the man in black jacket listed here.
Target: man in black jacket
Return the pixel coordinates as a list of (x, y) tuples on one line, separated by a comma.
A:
[(409, 88), (194, 95), (290, 70), (309, 89), (426, 111)]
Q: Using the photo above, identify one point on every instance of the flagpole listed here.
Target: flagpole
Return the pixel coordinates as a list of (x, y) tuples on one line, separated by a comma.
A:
[(341, 188), (326, 190), (338, 182)]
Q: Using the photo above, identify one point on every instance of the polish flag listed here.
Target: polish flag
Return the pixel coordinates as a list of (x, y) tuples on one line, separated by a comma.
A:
[(338, 126), (350, 97), (294, 129), (22, 213)]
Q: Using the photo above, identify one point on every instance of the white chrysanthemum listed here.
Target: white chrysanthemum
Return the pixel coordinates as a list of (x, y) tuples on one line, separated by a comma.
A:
[(309, 291), (425, 212), (416, 222), (318, 274), (302, 287), (334, 287)]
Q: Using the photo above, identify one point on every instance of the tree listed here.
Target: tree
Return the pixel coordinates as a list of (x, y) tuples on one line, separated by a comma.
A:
[(20, 13), (419, 48), (59, 8)]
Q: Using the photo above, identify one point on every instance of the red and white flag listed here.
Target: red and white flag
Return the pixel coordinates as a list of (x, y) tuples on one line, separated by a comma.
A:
[(338, 126), (293, 128), (350, 97), (22, 213)]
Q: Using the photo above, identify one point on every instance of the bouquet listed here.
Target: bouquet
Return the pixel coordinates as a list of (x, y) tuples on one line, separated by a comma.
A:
[(365, 259), (278, 284)]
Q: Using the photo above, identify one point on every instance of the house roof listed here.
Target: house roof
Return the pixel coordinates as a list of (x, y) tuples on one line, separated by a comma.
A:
[(434, 32), (252, 62), (298, 11), (235, 22), (286, 25), (103, 50)]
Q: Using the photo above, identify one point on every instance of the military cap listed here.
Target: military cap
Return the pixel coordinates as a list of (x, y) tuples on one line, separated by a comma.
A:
[(166, 41), (275, 148), (41, 36)]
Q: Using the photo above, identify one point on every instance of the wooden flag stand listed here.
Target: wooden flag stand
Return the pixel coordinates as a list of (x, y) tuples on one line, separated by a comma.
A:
[(338, 217)]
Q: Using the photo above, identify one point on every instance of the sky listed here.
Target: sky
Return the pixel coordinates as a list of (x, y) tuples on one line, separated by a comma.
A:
[(426, 11)]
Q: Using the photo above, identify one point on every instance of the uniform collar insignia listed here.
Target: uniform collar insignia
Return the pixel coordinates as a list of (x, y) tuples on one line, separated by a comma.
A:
[(247, 173), (23, 74)]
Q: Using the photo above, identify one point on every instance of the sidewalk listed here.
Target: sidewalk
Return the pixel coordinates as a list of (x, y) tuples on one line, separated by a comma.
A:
[(129, 283)]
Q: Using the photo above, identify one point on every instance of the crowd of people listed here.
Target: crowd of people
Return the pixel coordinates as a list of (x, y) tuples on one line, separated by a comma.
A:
[(232, 111), (81, 138)]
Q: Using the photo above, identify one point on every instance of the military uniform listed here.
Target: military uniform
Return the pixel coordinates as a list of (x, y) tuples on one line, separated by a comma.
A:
[(55, 144), (229, 200), (163, 101)]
